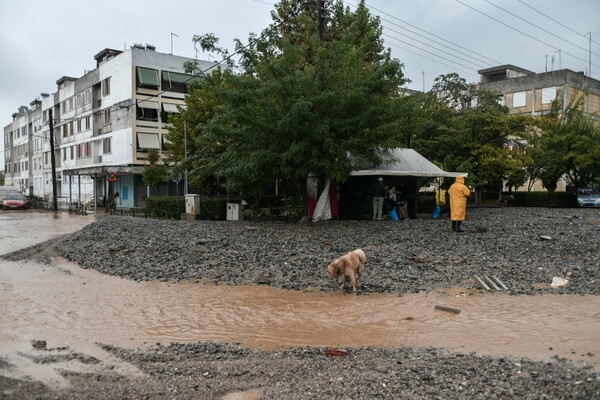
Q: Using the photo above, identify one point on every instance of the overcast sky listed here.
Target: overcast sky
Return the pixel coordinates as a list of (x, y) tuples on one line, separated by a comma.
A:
[(42, 40)]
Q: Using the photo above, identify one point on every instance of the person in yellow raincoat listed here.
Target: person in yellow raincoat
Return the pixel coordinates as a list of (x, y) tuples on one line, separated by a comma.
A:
[(458, 202)]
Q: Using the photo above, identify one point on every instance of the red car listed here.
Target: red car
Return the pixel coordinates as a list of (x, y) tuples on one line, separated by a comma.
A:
[(15, 202)]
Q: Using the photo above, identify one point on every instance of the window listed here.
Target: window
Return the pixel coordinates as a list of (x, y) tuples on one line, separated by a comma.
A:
[(64, 151), (106, 146), (71, 128), (107, 116), (87, 96), (168, 109), (79, 151), (147, 141), (106, 87), (88, 149), (79, 125), (519, 99), (147, 78), (147, 110), (72, 150), (70, 104), (65, 130), (176, 82), (87, 123), (548, 95)]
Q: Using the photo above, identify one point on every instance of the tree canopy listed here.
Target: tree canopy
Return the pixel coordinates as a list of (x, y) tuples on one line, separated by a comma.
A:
[(306, 100)]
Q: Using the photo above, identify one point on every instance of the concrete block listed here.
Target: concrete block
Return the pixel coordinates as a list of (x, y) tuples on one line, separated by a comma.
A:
[(480, 283), (499, 282), (490, 283)]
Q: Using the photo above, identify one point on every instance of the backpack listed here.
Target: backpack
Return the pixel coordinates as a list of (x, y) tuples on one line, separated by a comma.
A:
[(403, 211)]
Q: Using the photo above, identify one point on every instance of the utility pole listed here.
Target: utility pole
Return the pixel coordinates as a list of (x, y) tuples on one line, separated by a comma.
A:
[(53, 162), (590, 56), (320, 13), (185, 182), (172, 34)]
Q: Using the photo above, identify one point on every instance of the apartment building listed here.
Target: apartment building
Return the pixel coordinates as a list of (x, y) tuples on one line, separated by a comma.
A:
[(104, 124), (527, 92)]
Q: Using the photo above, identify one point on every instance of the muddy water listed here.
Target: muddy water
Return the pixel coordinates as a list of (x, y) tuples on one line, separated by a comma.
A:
[(21, 229), (66, 304)]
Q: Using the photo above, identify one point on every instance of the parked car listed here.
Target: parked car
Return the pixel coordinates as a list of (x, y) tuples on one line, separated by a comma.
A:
[(15, 201), (588, 197), (5, 191)]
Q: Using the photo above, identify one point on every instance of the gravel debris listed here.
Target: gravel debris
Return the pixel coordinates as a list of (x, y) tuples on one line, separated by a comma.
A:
[(525, 247)]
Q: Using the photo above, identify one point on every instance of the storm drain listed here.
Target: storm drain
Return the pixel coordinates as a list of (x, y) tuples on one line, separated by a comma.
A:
[(489, 283)]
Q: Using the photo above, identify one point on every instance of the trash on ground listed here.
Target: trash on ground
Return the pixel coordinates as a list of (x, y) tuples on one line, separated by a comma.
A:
[(558, 282), (442, 307)]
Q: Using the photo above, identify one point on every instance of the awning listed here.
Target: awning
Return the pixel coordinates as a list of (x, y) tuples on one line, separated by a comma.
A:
[(147, 77), (170, 108), (103, 170), (148, 140), (404, 162), (148, 104)]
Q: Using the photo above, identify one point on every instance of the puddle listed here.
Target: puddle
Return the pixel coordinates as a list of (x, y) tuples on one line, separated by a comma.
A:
[(69, 306), (23, 228)]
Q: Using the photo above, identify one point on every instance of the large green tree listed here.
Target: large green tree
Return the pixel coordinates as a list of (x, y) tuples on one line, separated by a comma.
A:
[(468, 130), (313, 93), (569, 143)]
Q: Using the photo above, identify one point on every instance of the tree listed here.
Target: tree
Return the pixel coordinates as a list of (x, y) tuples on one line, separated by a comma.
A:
[(570, 143), (306, 102), (155, 173), (191, 145)]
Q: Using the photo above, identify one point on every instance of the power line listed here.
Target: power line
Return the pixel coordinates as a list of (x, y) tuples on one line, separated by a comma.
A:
[(427, 58), (435, 48), (521, 32), (540, 28), (552, 19), (432, 34), (441, 44)]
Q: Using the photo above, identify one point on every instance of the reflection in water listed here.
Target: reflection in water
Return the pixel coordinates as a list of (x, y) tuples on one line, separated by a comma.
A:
[(22, 229), (65, 304)]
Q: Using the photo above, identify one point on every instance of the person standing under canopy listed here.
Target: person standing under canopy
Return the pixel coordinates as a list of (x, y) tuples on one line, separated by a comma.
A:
[(458, 202), (378, 194)]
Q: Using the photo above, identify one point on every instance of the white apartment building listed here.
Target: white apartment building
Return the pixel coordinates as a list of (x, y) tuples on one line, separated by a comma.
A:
[(104, 124)]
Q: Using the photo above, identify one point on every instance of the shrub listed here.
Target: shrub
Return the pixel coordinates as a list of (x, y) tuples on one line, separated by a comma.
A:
[(213, 208), (165, 206)]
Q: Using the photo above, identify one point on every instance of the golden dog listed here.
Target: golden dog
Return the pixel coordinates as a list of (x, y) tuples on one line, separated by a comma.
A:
[(348, 265)]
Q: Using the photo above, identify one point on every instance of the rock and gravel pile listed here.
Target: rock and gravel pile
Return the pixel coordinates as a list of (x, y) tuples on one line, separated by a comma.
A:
[(525, 248)]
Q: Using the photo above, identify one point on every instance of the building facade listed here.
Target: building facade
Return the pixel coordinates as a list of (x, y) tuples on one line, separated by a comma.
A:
[(526, 92), (104, 123)]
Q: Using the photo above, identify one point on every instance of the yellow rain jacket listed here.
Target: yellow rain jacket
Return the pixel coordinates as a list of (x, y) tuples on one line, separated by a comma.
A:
[(458, 199)]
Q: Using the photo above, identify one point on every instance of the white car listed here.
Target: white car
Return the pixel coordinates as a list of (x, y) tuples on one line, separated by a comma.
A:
[(588, 197)]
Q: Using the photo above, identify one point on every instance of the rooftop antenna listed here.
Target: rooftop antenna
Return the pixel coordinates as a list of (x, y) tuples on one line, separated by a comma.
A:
[(176, 35)]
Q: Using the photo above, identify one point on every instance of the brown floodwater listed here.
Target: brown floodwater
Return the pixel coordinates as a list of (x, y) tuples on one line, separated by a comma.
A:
[(70, 306)]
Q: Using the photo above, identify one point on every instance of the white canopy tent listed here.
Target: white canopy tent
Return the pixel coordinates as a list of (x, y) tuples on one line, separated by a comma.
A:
[(404, 162)]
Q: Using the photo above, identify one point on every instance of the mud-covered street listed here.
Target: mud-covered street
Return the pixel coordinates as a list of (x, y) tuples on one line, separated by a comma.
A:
[(70, 332)]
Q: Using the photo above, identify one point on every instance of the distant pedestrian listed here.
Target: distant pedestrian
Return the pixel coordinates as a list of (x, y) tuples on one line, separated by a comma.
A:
[(458, 202), (378, 194)]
